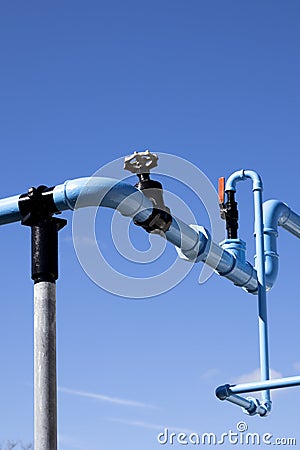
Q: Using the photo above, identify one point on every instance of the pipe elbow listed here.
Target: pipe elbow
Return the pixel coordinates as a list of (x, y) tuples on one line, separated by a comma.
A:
[(256, 179), (107, 192), (223, 392), (274, 213), (242, 175), (233, 179)]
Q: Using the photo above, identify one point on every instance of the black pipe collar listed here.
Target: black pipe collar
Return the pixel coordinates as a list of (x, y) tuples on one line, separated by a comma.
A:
[(37, 204), (37, 208)]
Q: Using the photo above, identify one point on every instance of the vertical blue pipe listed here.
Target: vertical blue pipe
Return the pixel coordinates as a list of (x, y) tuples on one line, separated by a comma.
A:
[(260, 268), (262, 296)]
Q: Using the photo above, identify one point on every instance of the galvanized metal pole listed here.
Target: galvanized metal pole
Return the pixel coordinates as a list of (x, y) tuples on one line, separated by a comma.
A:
[(45, 385), (44, 240), (37, 208)]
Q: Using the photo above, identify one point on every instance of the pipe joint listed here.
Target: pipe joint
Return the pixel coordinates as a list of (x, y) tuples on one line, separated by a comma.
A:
[(158, 222), (256, 407), (201, 246), (37, 208), (242, 273), (242, 175), (36, 205), (223, 392), (233, 179), (251, 406)]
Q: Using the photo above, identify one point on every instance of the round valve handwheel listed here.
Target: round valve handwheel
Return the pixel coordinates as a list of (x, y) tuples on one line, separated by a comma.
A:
[(140, 162)]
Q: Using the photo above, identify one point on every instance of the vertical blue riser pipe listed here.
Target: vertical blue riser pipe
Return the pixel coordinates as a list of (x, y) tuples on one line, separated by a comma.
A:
[(257, 188)]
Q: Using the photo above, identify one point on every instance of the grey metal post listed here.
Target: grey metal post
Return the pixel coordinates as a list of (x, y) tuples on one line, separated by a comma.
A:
[(37, 208), (45, 387)]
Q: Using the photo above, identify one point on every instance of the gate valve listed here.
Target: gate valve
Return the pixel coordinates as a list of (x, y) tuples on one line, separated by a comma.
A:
[(140, 163)]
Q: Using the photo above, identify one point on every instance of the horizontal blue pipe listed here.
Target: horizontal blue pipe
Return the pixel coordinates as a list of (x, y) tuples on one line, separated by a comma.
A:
[(129, 201), (195, 245), (107, 192), (132, 202), (250, 405), (268, 384), (9, 210), (125, 198)]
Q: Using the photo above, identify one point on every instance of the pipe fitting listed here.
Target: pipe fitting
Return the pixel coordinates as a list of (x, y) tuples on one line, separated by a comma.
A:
[(200, 248), (242, 175), (256, 407), (242, 272), (249, 405), (37, 209), (160, 220), (276, 213), (223, 392)]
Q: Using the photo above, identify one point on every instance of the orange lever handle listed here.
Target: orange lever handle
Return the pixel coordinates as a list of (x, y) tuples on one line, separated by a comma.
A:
[(221, 189)]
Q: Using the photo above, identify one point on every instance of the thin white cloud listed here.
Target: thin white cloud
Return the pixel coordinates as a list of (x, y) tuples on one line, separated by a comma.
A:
[(151, 426), (296, 366), (210, 374), (106, 398), (255, 376)]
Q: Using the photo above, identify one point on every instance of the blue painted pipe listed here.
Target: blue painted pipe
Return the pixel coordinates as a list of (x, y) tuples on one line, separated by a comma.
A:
[(253, 406), (195, 245), (241, 175), (250, 405), (129, 201), (279, 383), (107, 192), (267, 219), (9, 210), (276, 213), (257, 187)]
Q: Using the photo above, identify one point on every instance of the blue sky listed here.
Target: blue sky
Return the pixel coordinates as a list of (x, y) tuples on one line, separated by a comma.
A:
[(85, 83)]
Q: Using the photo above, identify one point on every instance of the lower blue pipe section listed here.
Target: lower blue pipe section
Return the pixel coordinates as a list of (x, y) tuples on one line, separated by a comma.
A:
[(250, 405)]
